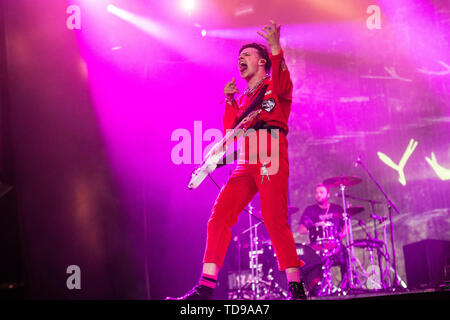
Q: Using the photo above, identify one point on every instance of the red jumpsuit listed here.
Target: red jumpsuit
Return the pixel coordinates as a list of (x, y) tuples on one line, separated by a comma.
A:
[(247, 180)]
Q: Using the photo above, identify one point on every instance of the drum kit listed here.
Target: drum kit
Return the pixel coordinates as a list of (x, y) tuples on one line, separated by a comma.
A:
[(326, 249)]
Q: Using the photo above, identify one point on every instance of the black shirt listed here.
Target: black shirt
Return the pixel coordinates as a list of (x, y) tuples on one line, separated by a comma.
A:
[(314, 214)]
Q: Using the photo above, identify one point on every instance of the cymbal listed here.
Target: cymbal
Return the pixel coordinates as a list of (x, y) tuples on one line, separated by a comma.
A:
[(344, 180), (351, 211), (355, 210)]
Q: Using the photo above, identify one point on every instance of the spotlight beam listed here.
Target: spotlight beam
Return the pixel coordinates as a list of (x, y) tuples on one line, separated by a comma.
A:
[(140, 22), (169, 35)]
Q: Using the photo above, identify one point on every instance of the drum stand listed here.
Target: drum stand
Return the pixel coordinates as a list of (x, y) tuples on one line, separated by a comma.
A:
[(381, 251), (258, 288), (354, 267), (351, 252), (326, 285), (375, 233), (254, 284), (374, 281)]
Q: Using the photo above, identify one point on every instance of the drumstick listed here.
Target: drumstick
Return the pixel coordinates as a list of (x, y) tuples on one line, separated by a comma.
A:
[(310, 221)]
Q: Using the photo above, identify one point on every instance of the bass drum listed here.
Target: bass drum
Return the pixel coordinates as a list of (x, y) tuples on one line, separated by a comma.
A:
[(311, 272)]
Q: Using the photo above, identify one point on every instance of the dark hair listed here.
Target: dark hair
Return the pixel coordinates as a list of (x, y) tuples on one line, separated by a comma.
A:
[(262, 52), (324, 186)]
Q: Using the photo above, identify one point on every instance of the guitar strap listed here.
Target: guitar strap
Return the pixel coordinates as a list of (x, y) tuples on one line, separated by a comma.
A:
[(254, 105)]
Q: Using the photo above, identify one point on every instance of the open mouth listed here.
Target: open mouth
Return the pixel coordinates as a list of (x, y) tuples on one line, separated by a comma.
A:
[(242, 66)]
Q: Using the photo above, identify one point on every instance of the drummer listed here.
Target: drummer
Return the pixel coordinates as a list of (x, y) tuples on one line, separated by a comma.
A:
[(320, 220), (322, 214)]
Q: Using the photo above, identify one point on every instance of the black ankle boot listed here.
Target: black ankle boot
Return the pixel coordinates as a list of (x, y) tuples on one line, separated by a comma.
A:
[(198, 292), (297, 291)]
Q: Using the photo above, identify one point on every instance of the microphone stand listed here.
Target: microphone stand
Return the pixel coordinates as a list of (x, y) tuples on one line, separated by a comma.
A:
[(380, 265), (375, 219), (390, 206)]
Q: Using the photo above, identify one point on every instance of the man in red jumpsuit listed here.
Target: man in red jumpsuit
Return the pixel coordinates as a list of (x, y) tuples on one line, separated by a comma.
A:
[(249, 177)]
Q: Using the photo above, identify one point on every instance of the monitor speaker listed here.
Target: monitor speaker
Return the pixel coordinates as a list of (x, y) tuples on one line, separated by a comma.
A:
[(427, 263)]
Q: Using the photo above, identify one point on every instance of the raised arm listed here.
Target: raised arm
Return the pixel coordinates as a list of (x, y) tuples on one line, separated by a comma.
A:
[(280, 74)]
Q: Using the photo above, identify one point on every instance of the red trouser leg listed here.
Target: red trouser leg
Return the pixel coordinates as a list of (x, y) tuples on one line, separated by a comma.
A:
[(232, 199), (274, 209)]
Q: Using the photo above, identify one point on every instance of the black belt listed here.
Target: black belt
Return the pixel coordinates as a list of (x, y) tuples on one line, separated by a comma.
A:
[(264, 125)]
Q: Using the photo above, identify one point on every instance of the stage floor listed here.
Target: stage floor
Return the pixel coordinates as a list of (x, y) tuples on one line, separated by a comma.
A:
[(397, 295)]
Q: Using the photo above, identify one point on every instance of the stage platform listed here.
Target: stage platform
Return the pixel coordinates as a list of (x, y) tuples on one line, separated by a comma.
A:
[(425, 294)]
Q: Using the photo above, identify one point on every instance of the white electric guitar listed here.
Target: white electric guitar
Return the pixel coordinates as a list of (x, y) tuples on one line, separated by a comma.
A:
[(218, 151)]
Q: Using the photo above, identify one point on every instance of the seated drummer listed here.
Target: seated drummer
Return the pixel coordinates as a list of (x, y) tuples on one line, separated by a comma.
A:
[(322, 211), (325, 212)]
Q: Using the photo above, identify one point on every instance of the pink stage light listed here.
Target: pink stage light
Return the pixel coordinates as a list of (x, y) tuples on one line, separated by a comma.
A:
[(140, 22), (311, 36), (177, 37), (188, 5)]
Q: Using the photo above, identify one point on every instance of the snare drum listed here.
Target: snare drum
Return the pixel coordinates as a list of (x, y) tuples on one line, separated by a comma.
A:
[(324, 236)]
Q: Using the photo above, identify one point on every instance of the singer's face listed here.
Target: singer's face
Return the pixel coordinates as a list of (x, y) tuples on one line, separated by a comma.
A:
[(248, 62), (321, 194)]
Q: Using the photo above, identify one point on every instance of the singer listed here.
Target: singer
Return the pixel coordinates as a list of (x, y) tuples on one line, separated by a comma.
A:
[(254, 65)]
